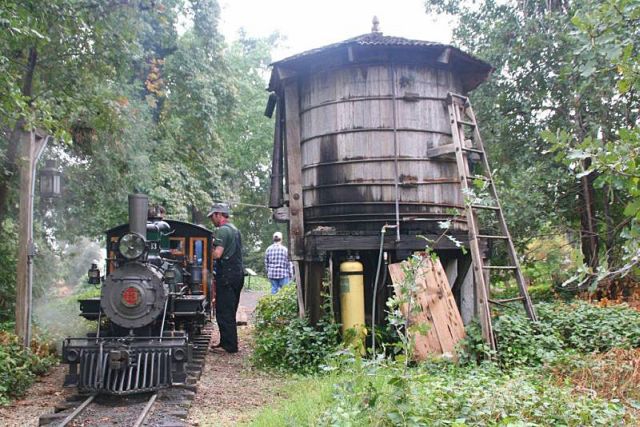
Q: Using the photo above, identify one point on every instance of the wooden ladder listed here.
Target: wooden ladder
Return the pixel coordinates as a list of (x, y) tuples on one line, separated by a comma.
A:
[(469, 150)]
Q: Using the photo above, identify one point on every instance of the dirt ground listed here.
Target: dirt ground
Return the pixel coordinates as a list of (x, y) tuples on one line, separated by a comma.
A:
[(41, 398), (230, 390)]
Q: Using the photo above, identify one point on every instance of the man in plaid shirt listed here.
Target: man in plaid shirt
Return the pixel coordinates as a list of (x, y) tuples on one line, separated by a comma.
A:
[(276, 263)]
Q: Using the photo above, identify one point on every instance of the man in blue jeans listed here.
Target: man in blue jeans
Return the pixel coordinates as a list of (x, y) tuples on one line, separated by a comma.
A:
[(276, 263)]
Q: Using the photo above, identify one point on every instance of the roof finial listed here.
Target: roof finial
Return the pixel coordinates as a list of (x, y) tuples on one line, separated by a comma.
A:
[(375, 28)]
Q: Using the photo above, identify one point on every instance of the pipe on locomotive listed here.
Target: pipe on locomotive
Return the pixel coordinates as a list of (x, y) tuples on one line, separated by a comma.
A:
[(138, 209)]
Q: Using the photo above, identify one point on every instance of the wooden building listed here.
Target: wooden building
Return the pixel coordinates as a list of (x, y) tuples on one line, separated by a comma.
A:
[(356, 126)]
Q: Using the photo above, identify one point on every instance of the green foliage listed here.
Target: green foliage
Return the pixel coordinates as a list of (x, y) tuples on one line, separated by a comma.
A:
[(306, 398), (549, 260), (524, 343), (576, 327), (19, 367), (258, 283), (134, 106), (8, 253), (248, 145), (404, 305), (443, 394), (542, 293), (285, 342), (587, 328), (564, 81)]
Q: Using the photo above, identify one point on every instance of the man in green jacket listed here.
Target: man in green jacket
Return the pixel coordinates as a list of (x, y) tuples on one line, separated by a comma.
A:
[(227, 251)]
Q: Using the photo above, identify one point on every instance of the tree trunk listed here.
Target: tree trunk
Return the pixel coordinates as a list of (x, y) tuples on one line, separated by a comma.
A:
[(14, 138), (588, 229), (610, 227)]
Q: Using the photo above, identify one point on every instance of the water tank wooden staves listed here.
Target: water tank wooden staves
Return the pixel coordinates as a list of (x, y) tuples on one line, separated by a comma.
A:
[(356, 122)]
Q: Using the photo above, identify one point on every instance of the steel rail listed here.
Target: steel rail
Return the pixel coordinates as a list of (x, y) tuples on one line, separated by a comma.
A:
[(77, 411), (145, 411)]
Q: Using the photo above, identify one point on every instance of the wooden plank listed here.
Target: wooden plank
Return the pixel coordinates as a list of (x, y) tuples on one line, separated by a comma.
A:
[(447, 320), (314, 272), (294, 171), (438, 309)]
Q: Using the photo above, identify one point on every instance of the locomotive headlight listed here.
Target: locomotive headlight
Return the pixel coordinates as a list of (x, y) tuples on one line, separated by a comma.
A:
[(179, 355), (94, 274), (72, 355), (131, 245)]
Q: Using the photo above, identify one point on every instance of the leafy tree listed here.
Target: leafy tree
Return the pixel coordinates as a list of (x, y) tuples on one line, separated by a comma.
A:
[(200, 95), (608, 46), (539, 84), (141, 96), (53, 58), (247, 145)]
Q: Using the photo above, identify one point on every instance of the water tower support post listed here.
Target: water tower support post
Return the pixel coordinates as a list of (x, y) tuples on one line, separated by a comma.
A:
[(294, 184)]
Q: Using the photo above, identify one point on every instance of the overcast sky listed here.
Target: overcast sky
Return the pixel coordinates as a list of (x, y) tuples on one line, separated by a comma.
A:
[(310, 24)]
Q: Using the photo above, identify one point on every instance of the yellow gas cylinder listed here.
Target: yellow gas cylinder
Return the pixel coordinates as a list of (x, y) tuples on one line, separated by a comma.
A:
[(352, 303)]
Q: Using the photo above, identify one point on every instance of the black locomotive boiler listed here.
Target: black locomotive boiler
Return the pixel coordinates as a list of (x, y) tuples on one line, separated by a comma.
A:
[(156, 296)]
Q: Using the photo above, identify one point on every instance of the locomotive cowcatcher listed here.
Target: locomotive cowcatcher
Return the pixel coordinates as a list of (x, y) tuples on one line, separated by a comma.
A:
[(156, 295)]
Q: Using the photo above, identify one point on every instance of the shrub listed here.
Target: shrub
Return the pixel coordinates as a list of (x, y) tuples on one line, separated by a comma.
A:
[(285, 342), (579, 327), (18, 367), (443, 394), (549, 260), (8, 261), (587, 328)]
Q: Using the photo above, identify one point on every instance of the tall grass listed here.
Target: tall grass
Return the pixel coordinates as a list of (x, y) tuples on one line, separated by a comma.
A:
[(305, 401)]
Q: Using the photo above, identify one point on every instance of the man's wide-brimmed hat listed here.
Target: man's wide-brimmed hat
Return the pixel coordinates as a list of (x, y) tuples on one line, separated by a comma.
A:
[(219, 207)]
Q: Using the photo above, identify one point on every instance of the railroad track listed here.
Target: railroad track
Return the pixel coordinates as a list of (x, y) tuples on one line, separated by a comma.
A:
[(167, 407), (84, 405)]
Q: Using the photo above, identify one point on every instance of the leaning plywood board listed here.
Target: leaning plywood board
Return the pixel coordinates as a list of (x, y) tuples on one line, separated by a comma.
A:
[(438, 308)]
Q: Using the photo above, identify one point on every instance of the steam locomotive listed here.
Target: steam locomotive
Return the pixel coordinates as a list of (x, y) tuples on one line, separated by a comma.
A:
[(156, 296)]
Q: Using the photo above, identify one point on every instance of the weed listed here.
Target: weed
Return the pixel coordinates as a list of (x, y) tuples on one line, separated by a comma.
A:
[(286, 342)]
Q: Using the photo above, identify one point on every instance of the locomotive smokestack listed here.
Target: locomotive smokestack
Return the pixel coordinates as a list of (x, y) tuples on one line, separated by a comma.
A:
[(138, 207)]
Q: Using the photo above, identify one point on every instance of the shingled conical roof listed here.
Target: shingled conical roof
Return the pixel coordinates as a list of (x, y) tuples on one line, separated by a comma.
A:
[(376, 47)]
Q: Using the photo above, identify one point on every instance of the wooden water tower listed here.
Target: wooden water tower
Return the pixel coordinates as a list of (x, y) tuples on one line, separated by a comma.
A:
[(355, 125)]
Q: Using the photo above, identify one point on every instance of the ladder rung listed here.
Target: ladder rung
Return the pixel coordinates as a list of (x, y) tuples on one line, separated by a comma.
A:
[(499, 267), (464, 99), (503, 301), (464, 122), (473, 150), (487, 236), (457, 95), (493, 208)]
